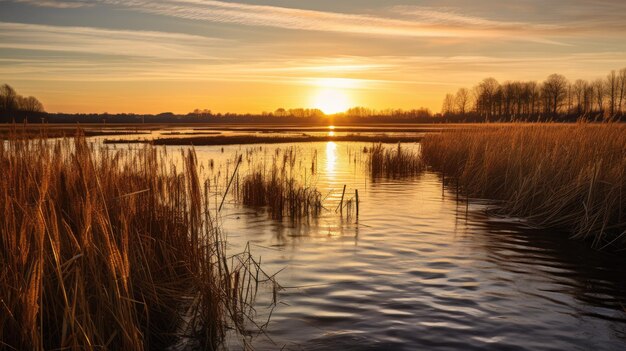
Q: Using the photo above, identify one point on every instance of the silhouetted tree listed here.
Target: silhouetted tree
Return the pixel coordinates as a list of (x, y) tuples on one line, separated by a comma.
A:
[(462, 100), (448, 105), (598, 94), (486, 97), (29, 104), (622, 90), (280, 112), (555, 87), (612, 89), (8, 103), (579, 88)]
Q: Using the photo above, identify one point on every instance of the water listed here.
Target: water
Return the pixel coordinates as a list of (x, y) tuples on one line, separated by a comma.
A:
[(418, 270)]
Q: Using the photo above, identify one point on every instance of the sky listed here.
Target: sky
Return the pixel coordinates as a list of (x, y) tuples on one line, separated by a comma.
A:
[(252, 56)]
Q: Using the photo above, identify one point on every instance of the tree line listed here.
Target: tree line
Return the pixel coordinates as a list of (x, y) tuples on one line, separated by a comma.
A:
[(556, 98), (15, 106)]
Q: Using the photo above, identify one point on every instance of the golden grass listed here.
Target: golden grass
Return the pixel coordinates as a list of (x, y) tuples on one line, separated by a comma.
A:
[(282, 195), (395, 162), (567, 176), (105, 249)]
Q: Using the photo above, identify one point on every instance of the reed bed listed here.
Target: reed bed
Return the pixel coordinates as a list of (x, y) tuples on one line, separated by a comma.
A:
[(282, 195), (564, 176), (105, 249), (276, 188), (393, 162)]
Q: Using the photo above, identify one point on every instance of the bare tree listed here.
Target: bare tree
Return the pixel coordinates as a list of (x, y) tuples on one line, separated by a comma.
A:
[(280, 112), (588, 98), (612, 88), (598, 94), (462, 100), (579, 95), (486, 97), (556, 89), (8, 98), (570, 98), (622, 89), (29, 104), (448, 105), (533, 97)]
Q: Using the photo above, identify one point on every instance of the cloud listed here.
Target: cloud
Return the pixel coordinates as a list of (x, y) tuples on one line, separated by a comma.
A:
[(57, 4), (113, 42), (567, 20), (454, 17), (300, 19)]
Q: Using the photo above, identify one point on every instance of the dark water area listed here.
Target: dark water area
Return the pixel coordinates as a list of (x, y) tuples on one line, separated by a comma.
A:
[(418, 269)]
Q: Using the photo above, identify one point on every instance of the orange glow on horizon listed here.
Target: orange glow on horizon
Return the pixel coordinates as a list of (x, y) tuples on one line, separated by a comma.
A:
[(333, 94)]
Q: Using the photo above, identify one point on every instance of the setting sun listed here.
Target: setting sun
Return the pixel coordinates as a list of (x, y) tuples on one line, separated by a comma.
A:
[(331, 101)]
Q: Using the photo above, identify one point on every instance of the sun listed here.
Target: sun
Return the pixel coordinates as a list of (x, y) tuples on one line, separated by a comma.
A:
[(331, 101)]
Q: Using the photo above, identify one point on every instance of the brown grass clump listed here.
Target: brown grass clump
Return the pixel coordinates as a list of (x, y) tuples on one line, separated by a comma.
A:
[(280, 194), (569, 176), (393, 163), (109, 250), (278, 191)]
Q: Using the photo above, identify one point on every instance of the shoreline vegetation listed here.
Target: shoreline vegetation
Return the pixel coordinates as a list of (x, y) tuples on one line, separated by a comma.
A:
[(106, 249), (43, 132), (276, 139), (393, 163), (280, 194), (557, 176)]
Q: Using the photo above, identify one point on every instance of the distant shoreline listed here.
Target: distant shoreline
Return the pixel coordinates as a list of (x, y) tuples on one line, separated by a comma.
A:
[(253, 139)]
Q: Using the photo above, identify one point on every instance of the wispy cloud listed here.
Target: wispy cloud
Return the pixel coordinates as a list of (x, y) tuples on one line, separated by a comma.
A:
[(454, 17), (57, 3), (576, 20), (89, 40), (400, 21), (301, 19)]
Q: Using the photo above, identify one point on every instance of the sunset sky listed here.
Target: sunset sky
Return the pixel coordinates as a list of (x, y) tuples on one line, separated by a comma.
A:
[(258, 55)]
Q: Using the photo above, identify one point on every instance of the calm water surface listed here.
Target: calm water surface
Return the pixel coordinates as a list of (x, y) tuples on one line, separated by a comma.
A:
[(418, 270)]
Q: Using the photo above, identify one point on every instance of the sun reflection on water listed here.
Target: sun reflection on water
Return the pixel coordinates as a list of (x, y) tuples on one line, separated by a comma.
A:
[(331, 158), (331, 131)]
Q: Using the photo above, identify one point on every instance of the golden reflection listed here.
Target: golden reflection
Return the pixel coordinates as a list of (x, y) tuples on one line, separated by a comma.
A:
[(332, 131), (331, 158)]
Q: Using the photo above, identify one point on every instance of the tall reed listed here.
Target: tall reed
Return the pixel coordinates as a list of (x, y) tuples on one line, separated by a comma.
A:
[(569, 176), (393, 162), (274, 187), (282, 195), (105, 249)]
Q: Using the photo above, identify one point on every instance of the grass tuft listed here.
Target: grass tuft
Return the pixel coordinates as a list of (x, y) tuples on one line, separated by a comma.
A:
[(393, 162)]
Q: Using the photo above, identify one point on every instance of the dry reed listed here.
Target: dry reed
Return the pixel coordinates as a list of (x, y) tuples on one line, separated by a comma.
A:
[(394, 163), (106, 249), (568, 176), (278, 191), (282, 195)]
